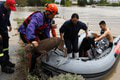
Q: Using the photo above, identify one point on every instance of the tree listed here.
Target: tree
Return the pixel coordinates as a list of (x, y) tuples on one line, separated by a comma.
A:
[(62, 2), (82, 2), (65, 2), (22, 2), (43, 2), (103, 1), (91, 2), (33, 2), (68, 3), (39, 2)]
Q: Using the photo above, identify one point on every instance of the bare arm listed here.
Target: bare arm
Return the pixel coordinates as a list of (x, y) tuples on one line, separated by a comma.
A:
[(61, 36), (86, 33), (102, 36), (53, 31)]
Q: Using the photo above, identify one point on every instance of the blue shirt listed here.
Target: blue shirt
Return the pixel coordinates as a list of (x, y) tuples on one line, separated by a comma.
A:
[(4, 19), (37, 20)]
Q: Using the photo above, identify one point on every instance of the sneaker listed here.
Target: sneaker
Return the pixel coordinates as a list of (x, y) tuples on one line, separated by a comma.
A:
[(10, 64), (7, 70)]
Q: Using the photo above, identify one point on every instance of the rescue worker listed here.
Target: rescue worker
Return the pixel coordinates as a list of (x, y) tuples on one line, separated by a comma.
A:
[(105, 33), (5, 26), (37, 27), (70, 30)]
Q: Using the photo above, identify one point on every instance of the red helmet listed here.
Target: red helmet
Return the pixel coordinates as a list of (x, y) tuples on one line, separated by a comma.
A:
[(52, 8), (12, 4)]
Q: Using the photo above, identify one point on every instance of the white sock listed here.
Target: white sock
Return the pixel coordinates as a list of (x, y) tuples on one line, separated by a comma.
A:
[(76, 55)]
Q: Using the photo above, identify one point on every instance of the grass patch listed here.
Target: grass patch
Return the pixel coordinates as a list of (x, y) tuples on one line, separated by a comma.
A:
[(29, 77), (22, 67), (22, 71), (67, 77)]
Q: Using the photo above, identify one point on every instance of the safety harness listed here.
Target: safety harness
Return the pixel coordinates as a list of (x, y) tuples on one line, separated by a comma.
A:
[(38, 30)]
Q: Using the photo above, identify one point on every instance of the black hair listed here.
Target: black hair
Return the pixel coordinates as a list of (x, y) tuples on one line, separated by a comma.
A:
[(102, 23), (75, 15)]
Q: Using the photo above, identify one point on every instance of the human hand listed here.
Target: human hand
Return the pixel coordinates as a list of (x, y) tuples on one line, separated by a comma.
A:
[(10, 29), (35, 43)]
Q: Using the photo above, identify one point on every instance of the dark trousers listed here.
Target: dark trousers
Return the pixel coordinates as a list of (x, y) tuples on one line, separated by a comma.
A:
[(86, 44), (71, 45), (110, 45), (5, 45), (3, 59), (4, 63)]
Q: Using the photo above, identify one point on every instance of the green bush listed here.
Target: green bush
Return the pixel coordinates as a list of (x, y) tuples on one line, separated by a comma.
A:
[(103, 1), (66, 3), (102, 4), (67, 77), (29, 77), (109, 4), (115, 4)]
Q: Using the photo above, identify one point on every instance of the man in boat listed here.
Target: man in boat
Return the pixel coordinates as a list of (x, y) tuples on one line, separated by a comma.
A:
[(5, 27), (37, 27), (105, 33), (89, 42), (69, 31)]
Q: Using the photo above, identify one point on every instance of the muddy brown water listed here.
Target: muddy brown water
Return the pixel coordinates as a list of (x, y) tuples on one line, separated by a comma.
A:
[(90, 16)]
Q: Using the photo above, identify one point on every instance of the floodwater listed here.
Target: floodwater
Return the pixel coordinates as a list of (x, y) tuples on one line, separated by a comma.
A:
[(90, 16)]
